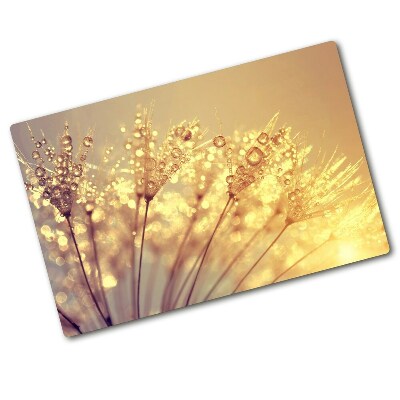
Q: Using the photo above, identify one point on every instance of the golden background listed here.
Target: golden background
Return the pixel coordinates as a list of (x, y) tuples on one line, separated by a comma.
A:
[(306, 86)]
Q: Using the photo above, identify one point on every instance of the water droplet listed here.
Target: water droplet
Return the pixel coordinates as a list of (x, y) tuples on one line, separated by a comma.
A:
[(174, 167), (40, 172), (150, 164), (28, 186), (151, 184), (230, 179), (254, 156), (35, 155), (164, 178), (262, 138), (219, 141), (161, 165), (88, 141), (66, 140), (46, 194), (187, 135), (287, 181), (77, 170), (38, 145), (42, 182), (56, 193), (74, 186), (60, 170), (176, 153)]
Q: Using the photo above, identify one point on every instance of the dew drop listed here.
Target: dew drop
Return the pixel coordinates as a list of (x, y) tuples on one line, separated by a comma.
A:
[(219, 141), (174, 167), (161, 165), (176, 153), (254, 156), (164, 178), (88, 141), (40, 172), (38, 145), (66, 140), (42, 182), (35, 155), (229, 179), (187, 135), (56, 193), (262, 138), (77, 170), (60, 170), (150, 164), (178, 131)]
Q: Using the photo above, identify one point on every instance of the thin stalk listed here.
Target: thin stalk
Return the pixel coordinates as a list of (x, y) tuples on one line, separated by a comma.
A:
[(133, 270), (68, 218), (171, 282), (220, 219), (261, 257), (98, 268), (141, 258), (299, 261), (69, 320), (188, 277), (151, 280), (183, 286), (233, 261)]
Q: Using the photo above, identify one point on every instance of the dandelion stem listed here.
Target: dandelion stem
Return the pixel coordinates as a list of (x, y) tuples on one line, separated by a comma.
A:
[(183, 285), (233, 261), (141, 258), (174, 269), (261, 257), (98, 268), (220, 219), (68, 218), (133, 270), (69, 320), (299, 261)]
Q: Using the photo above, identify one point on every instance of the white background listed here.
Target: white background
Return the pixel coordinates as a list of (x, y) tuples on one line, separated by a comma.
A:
[(334, 335)]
